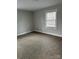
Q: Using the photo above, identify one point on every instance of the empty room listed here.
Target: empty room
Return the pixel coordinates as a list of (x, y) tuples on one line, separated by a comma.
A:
[(39, 29)]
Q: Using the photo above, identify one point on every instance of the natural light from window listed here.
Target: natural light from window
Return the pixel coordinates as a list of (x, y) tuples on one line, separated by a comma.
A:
[(51, 19)]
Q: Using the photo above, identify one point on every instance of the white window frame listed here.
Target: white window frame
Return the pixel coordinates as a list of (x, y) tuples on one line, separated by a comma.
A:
[(55, 10)]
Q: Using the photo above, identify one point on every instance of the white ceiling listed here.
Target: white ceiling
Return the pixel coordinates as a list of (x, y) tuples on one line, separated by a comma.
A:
[(36, 4)]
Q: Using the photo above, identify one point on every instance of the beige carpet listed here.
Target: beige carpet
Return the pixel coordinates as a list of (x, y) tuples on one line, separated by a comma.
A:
[(39, 46)]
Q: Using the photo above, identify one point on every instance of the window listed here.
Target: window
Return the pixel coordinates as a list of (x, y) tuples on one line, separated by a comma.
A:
[(51, 19)]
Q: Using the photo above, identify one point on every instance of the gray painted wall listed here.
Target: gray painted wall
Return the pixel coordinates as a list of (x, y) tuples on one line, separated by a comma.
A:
[(35, 21), (24, 22), (39, 21)]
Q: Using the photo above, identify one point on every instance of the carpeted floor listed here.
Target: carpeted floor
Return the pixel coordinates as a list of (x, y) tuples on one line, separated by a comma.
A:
[(39, 46)]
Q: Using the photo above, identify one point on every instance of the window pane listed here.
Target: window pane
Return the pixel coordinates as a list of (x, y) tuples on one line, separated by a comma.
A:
[(51, 19)]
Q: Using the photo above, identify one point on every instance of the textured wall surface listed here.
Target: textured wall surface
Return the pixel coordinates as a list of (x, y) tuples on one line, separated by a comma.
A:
[(24, 22), (39, 46), (35, 21), (40, 21)]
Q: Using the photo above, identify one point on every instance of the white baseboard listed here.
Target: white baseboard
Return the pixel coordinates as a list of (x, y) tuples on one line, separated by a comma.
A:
[(50, 33), (23, 33), (41, 32)]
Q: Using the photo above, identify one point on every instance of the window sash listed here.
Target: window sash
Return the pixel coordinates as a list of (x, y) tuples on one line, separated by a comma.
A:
[(51, 19)]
